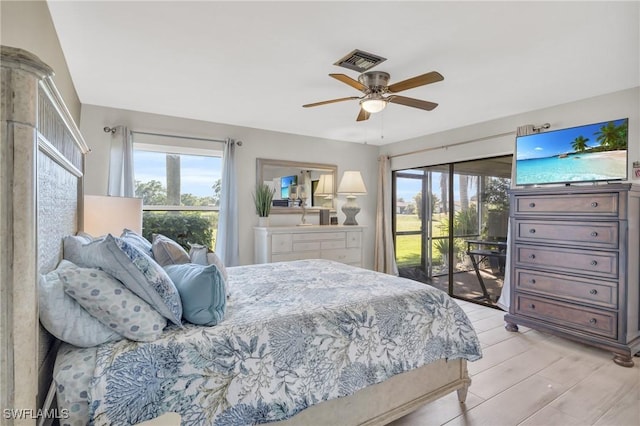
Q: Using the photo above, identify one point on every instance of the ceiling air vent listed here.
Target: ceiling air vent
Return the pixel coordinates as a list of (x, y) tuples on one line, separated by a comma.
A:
[(360, 61)]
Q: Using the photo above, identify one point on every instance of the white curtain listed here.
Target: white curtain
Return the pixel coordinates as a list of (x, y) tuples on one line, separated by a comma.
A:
[(121, 164), (227, 237), (505, 297), (384, 253)]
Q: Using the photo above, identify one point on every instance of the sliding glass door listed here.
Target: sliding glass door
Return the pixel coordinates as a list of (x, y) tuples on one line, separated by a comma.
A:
[(450, 226)]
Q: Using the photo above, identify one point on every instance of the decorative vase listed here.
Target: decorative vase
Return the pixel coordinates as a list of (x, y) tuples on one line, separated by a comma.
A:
[(350, 210), (263, 221)]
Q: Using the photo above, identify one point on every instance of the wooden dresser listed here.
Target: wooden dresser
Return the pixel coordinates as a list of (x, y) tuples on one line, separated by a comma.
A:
[(333, 242), (574, 265)]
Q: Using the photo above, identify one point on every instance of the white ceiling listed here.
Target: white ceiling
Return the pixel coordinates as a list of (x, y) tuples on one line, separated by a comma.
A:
[(255, 64)]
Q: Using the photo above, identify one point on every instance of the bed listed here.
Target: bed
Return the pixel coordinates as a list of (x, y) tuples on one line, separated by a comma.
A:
[(295, 334), (365, 363)]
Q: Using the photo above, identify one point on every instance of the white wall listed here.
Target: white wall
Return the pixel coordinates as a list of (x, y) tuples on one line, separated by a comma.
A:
[(616, 105), (28, 25), (256, 144)]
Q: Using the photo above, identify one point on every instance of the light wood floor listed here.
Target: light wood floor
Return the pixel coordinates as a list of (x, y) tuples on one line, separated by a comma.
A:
[(534, 379)]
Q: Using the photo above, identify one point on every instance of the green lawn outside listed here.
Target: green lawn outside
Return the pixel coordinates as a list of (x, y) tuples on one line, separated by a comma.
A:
[(408, 246), (407, 222)]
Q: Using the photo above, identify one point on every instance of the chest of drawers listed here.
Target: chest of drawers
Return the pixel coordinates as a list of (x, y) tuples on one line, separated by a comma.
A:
[(282, 243), (574, 265)]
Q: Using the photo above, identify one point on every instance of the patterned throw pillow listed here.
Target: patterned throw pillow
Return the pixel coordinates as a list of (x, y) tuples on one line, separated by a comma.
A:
[(137, 271), (202, 291), (168, 252), (108, 300), (137, 241), (63, 317)]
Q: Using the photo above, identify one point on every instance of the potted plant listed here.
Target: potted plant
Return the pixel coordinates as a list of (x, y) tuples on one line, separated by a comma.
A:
[(262, 197)]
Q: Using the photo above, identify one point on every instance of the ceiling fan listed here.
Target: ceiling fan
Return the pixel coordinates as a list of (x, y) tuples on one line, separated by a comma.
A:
[(375, 86)]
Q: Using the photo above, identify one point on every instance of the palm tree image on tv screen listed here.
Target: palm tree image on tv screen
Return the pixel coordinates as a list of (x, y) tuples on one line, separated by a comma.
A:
[(594, 152)]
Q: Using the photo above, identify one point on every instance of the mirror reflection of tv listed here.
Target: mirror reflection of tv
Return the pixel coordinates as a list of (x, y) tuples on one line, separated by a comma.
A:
[(590, 153), (285, 183)]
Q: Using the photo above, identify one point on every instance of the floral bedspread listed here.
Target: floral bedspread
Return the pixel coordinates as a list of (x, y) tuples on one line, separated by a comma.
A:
[(295, 334)]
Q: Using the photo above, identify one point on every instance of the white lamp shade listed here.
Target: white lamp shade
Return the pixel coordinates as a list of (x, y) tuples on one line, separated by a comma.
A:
[(352, 184), (110, 215), (373, 105), (325, 185)]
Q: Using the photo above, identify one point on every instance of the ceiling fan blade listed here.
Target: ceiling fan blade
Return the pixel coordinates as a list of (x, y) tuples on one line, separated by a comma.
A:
[(416, 103), (330, 101), (350, 81), (364, 115), (421, 80)]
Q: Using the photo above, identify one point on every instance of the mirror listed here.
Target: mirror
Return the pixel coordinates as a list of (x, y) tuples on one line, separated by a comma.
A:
[(296, 184)]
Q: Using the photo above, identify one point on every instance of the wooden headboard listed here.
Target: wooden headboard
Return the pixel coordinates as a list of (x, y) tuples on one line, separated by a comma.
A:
[(42, 165)]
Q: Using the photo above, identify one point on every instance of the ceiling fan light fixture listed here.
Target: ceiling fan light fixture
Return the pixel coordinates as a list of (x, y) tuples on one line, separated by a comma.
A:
[(373, 105)]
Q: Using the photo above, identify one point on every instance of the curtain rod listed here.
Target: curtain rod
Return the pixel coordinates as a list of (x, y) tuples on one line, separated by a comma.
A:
[(418, 151), (113, 130)]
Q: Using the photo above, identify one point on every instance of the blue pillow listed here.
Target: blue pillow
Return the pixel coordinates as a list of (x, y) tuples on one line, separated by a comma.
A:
[(202, 291)]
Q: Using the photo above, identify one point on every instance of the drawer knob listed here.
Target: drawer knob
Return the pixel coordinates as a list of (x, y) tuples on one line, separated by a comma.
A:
[(594, 262), (593, 291), (532, 205), (594, 234), (533, 281), (532, 306), (593, 321), (532, 256), (594, 204), (532, 231)]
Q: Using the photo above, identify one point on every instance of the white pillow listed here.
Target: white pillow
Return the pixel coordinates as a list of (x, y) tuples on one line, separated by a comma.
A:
[(65, 318), (72, 246), (198, 254), (114, 305)]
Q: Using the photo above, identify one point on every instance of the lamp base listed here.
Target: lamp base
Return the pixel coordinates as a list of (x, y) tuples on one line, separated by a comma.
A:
[(350, 209)]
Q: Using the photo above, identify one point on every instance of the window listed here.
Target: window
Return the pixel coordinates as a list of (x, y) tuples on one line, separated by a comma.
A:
[(180, 188)]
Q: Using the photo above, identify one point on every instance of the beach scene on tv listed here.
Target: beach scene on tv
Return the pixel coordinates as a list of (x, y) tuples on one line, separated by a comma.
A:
[(594, 152)]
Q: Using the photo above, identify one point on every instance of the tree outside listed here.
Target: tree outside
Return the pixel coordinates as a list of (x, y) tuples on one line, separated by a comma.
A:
[(153, 193), (184, 227)]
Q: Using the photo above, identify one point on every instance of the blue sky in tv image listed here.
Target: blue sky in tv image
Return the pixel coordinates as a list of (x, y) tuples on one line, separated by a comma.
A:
[(557, 142)]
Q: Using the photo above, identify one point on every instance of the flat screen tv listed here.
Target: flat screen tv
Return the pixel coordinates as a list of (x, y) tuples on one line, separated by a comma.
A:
[(285, 183), (590, 153)]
